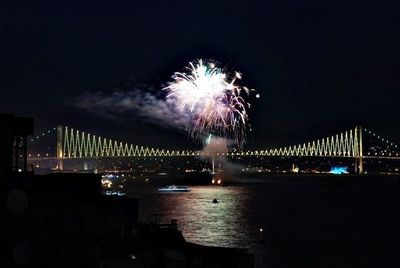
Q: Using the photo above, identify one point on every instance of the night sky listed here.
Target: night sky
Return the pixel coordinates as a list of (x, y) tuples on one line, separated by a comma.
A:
[(320, 68)]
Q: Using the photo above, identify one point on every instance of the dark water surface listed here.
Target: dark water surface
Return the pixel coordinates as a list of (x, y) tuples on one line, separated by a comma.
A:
[(306, 221)]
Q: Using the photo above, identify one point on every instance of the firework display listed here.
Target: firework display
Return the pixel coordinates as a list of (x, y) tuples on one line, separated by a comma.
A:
[(213, 99)]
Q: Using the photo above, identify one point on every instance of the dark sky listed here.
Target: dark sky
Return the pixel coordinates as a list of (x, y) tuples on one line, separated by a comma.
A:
[(319, 67)]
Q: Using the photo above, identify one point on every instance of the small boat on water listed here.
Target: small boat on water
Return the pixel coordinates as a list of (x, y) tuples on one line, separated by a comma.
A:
[(174, 189), (113, 192)]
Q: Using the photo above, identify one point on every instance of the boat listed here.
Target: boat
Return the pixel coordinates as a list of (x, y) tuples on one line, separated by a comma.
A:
[(174, 188), (113, 192)]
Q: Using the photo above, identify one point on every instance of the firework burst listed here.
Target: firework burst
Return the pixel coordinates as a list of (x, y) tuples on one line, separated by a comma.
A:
[(213, 100)]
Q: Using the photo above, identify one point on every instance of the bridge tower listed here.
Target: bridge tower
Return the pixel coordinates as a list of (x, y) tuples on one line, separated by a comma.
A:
[(359, 166), (60, 149)]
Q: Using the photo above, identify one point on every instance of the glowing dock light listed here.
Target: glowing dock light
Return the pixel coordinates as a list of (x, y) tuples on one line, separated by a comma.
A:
[(339, 170)]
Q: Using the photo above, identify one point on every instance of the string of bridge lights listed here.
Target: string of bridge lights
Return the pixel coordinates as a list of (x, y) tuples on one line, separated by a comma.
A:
[(387, 142), (381, 138), (35, 138), (78, 144)]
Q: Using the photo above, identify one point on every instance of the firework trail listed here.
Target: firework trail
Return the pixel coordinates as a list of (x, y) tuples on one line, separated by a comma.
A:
[(213, 99)]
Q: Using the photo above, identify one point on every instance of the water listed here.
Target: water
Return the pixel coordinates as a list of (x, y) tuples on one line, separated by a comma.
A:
[(306, 221)]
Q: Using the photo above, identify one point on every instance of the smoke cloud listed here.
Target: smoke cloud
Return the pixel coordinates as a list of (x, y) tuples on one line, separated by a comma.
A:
[(120, 105), (214, 147)]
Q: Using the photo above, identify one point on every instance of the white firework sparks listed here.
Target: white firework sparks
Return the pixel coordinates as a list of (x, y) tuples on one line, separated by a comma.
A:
[(213, 100)]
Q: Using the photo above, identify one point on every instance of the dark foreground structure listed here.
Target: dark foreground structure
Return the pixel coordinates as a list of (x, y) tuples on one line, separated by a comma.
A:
[(63, 220)]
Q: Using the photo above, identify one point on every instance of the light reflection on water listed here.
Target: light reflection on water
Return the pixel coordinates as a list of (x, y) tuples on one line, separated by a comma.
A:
[(308, 221), (229, 223), (207, 223)]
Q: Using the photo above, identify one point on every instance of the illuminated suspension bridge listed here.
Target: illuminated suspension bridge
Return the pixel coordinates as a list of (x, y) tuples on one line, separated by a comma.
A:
[(75, 144)]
